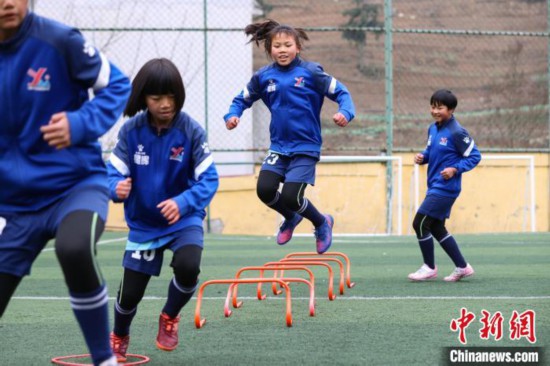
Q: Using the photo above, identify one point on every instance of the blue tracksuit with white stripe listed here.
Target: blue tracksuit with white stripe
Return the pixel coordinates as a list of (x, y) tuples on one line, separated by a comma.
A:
[(294, 95), (449, 146), (174, 164), (46, 68)]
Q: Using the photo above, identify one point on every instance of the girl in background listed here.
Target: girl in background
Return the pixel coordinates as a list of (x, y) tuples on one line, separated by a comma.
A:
[(449, 153)]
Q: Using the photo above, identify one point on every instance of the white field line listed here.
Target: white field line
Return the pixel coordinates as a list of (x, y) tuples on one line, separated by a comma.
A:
[(101, 242), (348, 298)]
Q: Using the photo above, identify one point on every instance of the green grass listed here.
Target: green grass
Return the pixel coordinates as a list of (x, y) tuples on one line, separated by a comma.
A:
[(383, 320)]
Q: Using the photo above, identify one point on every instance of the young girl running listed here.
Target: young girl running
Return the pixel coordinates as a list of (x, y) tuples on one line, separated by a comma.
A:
[(294, 90), (162, 169), (450, 152)]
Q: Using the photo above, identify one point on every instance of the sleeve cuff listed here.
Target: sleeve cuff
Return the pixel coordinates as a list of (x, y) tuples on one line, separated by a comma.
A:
[(76, 128)]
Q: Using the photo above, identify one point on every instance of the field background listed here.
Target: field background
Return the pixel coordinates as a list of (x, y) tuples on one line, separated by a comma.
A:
[(383, 320)]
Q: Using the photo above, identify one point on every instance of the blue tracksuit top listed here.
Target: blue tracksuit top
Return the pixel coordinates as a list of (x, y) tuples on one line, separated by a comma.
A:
[(45, 69), (294, 95), (449, 145), (175, 163)]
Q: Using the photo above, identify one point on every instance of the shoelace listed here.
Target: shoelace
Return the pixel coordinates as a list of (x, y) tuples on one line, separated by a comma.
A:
[(320, 233), (170, 325), (117, 344)]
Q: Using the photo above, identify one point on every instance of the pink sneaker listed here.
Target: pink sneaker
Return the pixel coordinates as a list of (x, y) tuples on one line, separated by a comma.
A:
[(323, 235), (460, 273), (287, 229), (424, 273)]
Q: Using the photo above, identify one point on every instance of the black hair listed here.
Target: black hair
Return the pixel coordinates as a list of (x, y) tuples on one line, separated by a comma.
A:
[(444, 97), (158, 76), (266, 30)]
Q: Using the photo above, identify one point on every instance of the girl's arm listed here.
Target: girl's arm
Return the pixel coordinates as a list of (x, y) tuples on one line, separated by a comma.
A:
[(205, 177), (335, 91), (118, 168), (467, 148), (245, 99)]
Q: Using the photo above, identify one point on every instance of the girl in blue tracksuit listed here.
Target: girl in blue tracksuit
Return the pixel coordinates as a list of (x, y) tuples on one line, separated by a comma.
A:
[(294, 91), (449, 153), (53, 179), (162, 169)]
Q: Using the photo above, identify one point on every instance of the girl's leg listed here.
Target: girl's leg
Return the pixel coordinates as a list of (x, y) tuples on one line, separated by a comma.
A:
[(130, 292), (8, 284), (186, 264), (292, 197), (422, 226), (75, 247), (448, 243), (267, 190)]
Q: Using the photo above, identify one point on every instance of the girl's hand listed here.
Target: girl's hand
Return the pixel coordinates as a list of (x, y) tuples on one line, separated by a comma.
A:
[(57, 132), (123, 188), (448, 173), (340, 120), (419, 159), (170, 210), (232, 122)]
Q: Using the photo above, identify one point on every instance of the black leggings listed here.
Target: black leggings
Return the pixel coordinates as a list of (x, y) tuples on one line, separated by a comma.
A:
[(185, 263), (425, 225), (292, 194), (75, 247), (8, 284)]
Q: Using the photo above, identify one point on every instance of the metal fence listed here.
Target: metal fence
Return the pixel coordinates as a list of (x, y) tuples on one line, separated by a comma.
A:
[(493, 56)]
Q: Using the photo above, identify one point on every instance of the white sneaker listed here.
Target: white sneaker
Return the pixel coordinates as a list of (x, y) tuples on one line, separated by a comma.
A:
[(110, 362), (424, 273), (460, 273)]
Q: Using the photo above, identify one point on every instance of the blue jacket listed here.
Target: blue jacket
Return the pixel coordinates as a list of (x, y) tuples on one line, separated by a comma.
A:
[(294, 95), (45, 69), (175, 164), (449, 145)]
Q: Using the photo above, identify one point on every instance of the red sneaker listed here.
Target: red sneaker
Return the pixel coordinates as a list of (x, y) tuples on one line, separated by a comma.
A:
[(119, 345), (167, 337)]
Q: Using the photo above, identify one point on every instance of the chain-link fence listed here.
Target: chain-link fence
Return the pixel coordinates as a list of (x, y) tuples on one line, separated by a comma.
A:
[(493, 54)]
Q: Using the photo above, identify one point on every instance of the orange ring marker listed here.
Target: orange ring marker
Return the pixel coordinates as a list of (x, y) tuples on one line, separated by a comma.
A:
[(199, 322), (60, 360), (337, 254), (238, 304), (331, 295), (321, 259)]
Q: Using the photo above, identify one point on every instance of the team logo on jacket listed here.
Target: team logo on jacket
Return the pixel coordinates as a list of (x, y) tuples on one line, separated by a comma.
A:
[(300, 82), (176, 153), (140, 156), (205, 148), (466, 140), (89, 49), (40, 80), (271, 87), (443, 141)]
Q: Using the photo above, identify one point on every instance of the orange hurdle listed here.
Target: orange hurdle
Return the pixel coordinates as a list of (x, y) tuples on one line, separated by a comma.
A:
[(320, 258), (234, 288), (199, 322), (331, 295), (337, 254)]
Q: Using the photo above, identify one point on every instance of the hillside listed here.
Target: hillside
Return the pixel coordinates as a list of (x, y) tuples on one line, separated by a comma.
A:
[(500, 80)]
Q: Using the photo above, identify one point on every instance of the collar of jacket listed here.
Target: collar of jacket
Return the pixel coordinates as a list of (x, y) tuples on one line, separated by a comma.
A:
[(21, 34), (290, 66), (439, 126)]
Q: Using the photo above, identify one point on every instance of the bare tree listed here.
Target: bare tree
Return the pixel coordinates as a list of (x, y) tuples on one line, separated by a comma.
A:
[(361, 16)]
